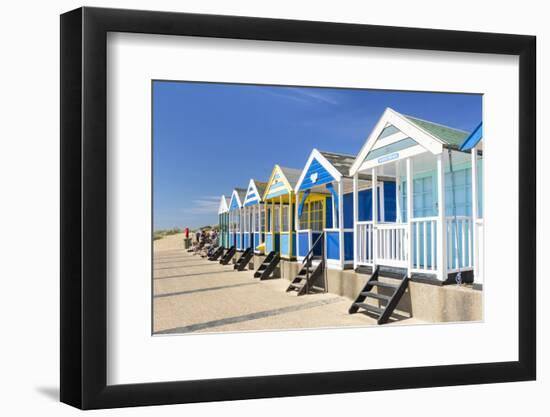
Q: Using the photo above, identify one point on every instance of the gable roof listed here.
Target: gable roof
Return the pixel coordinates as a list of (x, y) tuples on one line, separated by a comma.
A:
[(281, 181), (446, 134), (224, 205), (238, 197), (329, 166), (431, 136), (255, 192)]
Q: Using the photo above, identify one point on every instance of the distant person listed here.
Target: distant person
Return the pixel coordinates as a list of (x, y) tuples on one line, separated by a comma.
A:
[(186, 233)]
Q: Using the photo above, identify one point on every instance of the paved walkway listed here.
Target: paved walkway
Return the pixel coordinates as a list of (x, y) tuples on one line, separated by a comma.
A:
[(192, 294)]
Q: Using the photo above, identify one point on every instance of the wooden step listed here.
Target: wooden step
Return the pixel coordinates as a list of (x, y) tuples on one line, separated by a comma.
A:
[(297, 284), (370, 308), (375, 295), (383, 284)]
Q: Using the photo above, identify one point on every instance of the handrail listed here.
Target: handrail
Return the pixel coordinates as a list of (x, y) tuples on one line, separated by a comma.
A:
[(313, 247), (309, 258)]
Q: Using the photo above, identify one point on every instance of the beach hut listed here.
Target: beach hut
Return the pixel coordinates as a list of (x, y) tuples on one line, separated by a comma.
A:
[(254, 215), (279, 211), (432, 234), (223, 222), (324, 197), (235, 220)]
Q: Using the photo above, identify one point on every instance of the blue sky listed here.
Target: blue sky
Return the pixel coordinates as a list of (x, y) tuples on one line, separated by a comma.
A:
[(210, 138)]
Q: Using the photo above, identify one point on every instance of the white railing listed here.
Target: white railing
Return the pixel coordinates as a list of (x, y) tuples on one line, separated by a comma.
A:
[(479, 268), (460, 253), (391, 244), (424, 244), (364, 243)]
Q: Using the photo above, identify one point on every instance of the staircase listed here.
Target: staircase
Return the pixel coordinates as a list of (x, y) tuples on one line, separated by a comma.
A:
[(390, 301), (228, 255), (216, 254), (304, 282), (268, 265), (244, 259)]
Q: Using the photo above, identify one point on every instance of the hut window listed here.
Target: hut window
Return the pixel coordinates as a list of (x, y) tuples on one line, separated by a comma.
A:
[(462, 193), (316, 215), (262, 218), (270, 221), (257, 215), (277, 219), (285, 210), (304, 217), (423, 201)]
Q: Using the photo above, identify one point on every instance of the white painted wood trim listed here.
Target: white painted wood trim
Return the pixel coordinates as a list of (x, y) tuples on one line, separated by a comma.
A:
[(441, 222), (355, 217), (475, 240), (315, 154), (409, 169), (374, 217), (424, 138), (398, 217), (382, 202), (341, 219), (403, 154)]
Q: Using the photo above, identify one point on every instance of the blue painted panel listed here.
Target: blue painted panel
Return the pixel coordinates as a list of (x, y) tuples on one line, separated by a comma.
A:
[(348, 211), (257, 239), (303, 243), (316, 172), (234, 205), (473, 139), (365, 205), (269, 243), (246, 240), (252, 202), (277, 244), (276, 193), (390, 207), (239, 242), (318, 249), (333, 245), (285, 249), (328, 208), (348, 246)]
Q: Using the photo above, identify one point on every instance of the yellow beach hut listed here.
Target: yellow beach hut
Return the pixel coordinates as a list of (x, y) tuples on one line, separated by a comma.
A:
[(280, 235)]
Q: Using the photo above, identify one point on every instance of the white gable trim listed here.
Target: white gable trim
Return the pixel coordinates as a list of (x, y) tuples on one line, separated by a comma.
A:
[(428, 141), (235, 194), (252, 184), (315, 154), (223, 206)]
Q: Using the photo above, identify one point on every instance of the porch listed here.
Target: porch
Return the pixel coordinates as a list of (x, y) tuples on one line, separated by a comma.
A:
[(438, 224)]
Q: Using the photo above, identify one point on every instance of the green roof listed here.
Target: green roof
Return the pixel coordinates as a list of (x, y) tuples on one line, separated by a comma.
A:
[(448, 135)]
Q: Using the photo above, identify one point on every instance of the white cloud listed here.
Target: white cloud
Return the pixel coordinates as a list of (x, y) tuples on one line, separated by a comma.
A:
[(302, 95), (205, 205)]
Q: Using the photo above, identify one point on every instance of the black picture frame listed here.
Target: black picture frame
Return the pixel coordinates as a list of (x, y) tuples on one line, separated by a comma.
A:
[(84, 207)]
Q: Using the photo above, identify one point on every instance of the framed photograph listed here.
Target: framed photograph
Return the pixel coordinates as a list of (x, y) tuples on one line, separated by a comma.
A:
[(259, 208)]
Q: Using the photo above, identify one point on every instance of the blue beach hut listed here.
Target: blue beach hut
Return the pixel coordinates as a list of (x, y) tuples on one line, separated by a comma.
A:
[(254, 215), (324, 197)]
